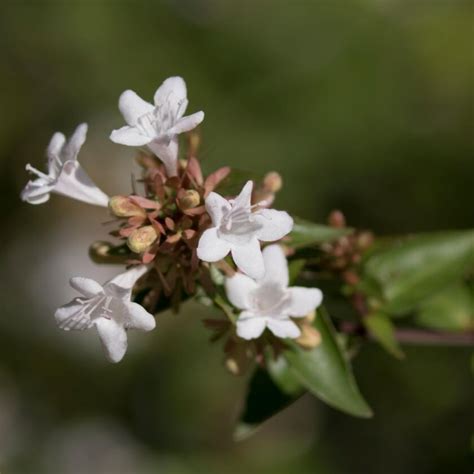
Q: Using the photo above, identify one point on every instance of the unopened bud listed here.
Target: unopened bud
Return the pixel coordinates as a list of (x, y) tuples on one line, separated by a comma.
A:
[(105, 252), (365, 240), (310, 337), (194, 140), (189, 199), (272, 182), (140, 239), (337, 219), (122, 206)]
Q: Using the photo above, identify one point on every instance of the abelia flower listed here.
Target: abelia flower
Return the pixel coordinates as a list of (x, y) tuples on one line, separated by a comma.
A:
[(158, 125), (109, 309), (238, 227), (65, 174), (268, 302)]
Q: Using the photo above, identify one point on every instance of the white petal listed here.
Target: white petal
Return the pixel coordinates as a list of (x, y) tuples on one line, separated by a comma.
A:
[(113, 337), (37, 191), (86, 286), (188, 123), (276, 265), (53, 153), (167, 151), (249, 259), (73, 182), (249, 326), (238, 289), (244, 198), (119, 294), (283, 328), (274, 224), (139, 318), (211, 248), (303, 300), (172, 90), (133, 107), (129, 136), (217, 206), (71, 316), (73, 146), (129, 278)]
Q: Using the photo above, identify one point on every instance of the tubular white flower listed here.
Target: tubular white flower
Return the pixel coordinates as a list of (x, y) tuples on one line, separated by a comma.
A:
[(268, 302), (65, 174), (238, 227), (109, 309), (159, 125)]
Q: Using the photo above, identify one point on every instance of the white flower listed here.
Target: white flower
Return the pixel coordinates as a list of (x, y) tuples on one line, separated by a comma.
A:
[(238, 227), (268, 302), (109, 309), (157, 125), (65, 174)]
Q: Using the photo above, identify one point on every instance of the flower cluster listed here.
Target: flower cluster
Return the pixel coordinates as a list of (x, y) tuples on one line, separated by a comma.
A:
[(182, 235)]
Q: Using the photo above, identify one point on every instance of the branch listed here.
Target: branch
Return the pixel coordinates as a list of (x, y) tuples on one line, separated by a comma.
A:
[(417, 336)]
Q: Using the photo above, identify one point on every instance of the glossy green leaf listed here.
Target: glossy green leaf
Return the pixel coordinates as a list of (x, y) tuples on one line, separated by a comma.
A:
[(284, 377), (415, 268), (452, 309), (264, 399), (382, 330), (307, 233), (326, 372)]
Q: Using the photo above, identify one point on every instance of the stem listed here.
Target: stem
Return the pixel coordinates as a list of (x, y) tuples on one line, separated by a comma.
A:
[(417, 336)]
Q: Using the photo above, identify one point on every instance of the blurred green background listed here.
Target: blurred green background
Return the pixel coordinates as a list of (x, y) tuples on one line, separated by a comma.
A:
[(362, 105)]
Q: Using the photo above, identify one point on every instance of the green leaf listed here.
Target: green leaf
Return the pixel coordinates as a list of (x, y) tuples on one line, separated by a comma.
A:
[(284, 377), (325, 371), (452, 309), (264, 399), (415, 268), (307, 233), (383, 331)]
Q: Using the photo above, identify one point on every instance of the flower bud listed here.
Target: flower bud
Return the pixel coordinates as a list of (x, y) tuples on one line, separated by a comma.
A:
[(310, 337), (122, 206), (272, 182), (194, 140), (189, 199), (336, 219), (365, 240), (140, 239), (105, 252)]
